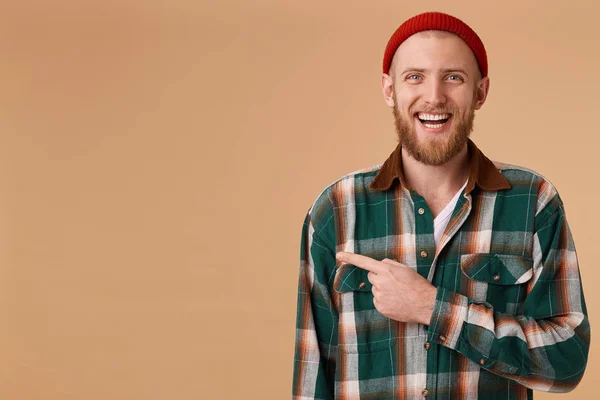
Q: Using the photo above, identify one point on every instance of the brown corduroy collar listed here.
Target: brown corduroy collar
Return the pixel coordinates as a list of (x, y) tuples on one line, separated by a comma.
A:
[(483, 172)]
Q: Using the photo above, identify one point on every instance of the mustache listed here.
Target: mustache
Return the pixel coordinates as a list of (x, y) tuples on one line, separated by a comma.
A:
[(432, 110)]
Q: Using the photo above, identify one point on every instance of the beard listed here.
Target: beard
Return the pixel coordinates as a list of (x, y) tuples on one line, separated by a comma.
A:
[(436, 150)]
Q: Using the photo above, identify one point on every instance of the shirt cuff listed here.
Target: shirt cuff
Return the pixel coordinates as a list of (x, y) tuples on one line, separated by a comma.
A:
[(449, 315)]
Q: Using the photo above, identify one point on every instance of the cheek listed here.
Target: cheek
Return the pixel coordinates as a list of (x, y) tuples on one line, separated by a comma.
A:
[(463, 100), (406, 99)]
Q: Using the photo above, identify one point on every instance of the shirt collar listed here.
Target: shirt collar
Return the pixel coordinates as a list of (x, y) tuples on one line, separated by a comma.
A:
[(483, 172)]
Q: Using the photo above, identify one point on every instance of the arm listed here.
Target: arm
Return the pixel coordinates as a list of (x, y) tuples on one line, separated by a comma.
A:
[(316, 323), (546, 347)]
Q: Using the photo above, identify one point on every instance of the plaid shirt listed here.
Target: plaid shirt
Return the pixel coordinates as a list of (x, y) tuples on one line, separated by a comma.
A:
[(509, 316)]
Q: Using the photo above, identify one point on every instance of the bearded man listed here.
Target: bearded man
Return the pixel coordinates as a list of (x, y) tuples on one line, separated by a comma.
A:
[(439, 273)]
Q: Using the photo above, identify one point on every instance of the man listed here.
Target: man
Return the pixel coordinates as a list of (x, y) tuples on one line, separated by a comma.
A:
[(439, 273)]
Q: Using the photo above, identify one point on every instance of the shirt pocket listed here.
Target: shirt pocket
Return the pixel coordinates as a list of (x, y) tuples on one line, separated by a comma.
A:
[(361, 329), (497, 279)]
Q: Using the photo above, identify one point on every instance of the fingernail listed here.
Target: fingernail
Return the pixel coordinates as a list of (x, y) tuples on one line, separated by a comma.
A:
[(339, 256)]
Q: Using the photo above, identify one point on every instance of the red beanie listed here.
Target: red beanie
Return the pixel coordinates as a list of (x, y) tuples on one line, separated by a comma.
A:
[(439, 22)]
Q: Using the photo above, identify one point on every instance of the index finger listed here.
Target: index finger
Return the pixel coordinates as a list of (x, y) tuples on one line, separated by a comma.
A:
[(360, 261)]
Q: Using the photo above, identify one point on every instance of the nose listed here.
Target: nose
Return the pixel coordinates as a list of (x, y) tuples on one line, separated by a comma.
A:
[(434, 93)]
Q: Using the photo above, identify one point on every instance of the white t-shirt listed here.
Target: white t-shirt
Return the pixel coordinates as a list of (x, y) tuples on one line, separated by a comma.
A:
[(441, 221)]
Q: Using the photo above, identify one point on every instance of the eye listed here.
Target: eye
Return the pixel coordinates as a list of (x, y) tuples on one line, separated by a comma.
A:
[(456, 78), (413, 77)]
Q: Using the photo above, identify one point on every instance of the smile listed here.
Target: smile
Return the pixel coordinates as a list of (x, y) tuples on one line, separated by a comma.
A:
[(433, 121)]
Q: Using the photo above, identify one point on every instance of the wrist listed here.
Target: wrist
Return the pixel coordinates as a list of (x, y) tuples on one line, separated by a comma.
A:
[(428, 304)]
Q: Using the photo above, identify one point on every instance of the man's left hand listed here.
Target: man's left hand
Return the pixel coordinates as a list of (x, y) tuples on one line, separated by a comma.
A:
[(399, 292)]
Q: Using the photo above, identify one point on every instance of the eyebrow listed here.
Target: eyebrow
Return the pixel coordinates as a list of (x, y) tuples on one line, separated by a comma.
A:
[(446, 70), (462, 71)]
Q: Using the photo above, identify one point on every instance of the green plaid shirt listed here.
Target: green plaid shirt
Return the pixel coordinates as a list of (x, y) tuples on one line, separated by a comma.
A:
[(509, 316)]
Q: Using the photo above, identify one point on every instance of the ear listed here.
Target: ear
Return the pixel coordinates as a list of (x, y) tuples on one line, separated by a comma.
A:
[(483, 87), (387, 88)]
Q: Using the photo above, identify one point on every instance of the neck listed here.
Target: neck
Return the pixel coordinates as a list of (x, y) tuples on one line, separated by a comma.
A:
[(436, 180)]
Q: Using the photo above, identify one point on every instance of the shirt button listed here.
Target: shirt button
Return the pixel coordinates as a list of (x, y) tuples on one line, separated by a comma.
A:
[(423, 254), (496, 277), (442, 338), (482, 362), (361, 285), (427, 346), (425, 392), (421, 211)]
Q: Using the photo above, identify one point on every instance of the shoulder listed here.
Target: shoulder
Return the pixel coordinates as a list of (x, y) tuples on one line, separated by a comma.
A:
[(527, 180), (345, 187), (342, 191)]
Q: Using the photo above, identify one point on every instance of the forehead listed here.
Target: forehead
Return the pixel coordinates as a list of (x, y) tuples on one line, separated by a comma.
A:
[(434, 50)]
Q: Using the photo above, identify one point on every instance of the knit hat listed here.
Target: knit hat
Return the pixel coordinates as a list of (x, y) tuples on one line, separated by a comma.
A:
[(439, 22)]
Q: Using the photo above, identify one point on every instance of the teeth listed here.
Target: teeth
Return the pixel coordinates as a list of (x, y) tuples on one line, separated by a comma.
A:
[(433, 126), (433, 117)]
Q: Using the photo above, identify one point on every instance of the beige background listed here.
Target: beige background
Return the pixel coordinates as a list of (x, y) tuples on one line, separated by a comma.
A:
[(157, 159)]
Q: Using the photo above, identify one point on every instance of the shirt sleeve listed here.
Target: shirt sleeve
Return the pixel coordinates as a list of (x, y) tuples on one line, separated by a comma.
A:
[(546, 346), (317, 319)]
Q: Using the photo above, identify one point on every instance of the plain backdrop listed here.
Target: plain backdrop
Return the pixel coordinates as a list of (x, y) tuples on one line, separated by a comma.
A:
[(157, 160)]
